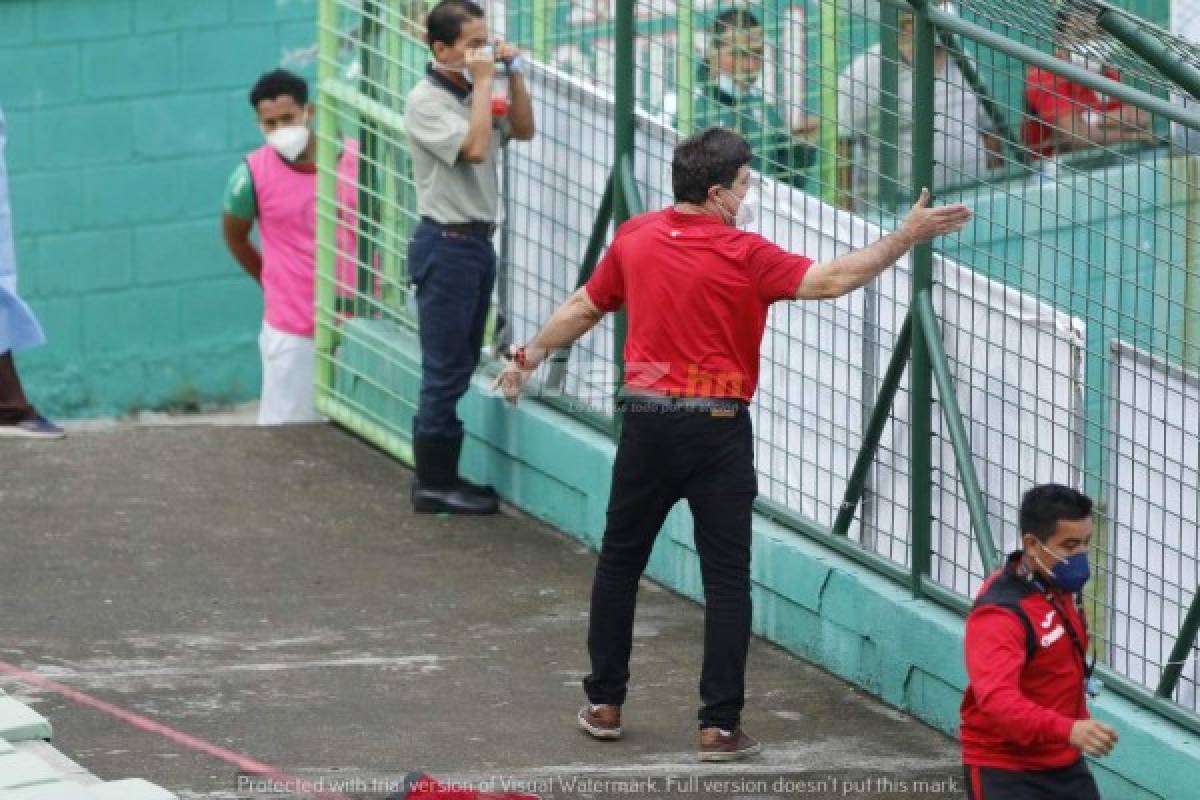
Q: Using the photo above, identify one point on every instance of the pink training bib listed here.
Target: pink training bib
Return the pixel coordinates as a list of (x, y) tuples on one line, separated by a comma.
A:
[(287, 219)]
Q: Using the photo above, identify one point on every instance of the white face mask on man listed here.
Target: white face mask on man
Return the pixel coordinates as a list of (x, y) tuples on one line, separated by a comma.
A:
[(463, 69), (290, 141), (747, 210)]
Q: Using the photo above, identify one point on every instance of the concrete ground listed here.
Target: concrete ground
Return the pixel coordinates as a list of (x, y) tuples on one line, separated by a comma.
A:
[(268, 591)]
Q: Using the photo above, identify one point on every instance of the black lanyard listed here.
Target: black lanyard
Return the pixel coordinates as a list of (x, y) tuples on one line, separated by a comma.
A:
[(1088, 666)]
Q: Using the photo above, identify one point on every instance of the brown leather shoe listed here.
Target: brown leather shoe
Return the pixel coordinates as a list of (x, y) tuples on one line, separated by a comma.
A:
[(601, 722), (719, 745)]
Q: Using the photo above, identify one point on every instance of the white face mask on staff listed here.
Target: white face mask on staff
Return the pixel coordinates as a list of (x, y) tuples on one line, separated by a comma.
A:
[(488, 50)]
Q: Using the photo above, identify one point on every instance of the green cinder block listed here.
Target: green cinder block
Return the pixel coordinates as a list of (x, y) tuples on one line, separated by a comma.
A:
[(139, 66), (46, 202), (84, 135), (39, 77), (151, 16), (16, 22), (135, 194), (62, 322), (203, 183), (268, 12), (133, 321), (81, 263), (72, 20), (180, 125), (188, 251), (227, 310), (228, 57)]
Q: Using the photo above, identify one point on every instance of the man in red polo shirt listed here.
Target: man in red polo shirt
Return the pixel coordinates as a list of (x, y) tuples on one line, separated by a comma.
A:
[(1025, 723), (697, 290), (1066, 116)]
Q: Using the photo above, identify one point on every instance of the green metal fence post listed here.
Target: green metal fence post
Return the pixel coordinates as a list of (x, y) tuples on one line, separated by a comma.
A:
[(922, 309), (1182, 649), (685, 72), (623, 121), (920, 374), (880, 412), (1155, 53), (327, 40)]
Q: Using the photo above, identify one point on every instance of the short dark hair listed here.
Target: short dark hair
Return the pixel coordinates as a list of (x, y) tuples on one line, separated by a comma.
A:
[(1043, 506), (712, 156), (278, 83), (445, 22), (729, 22)]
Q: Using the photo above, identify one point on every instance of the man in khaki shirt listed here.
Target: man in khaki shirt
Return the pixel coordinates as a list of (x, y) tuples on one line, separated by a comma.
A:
[(455, 131)]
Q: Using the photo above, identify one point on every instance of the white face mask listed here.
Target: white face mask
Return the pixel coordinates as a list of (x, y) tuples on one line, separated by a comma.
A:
[(289, 142), (747, 210), (463, 69), (729, 86)]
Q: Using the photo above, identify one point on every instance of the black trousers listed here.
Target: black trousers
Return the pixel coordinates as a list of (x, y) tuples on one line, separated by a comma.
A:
[(1068, 783), (707, 457)]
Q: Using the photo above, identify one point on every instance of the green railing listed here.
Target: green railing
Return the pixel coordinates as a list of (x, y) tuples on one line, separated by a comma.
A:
[(1054, 339)]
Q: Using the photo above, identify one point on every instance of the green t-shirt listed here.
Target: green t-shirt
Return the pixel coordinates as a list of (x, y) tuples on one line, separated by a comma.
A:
[(239, 193), (777, 153)]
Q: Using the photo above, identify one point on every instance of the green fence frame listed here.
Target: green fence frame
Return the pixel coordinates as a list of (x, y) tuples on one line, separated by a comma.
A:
[(919, 344)]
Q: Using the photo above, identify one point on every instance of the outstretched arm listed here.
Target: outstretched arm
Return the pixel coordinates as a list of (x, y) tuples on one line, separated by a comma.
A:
[(857, 268), (571, 320)]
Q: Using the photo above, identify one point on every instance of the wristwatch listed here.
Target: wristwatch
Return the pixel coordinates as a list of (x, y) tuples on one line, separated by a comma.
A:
[(518, 356)]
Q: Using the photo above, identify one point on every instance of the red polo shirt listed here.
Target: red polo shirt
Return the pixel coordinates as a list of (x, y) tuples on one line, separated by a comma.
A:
[(697, 293), (1048, 95)]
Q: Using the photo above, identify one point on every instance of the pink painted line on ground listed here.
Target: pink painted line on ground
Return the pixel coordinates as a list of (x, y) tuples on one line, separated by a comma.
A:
[(299, 786)]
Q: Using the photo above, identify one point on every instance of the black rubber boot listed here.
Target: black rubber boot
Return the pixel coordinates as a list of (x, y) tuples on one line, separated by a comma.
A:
[(474, 488), (437, 489)]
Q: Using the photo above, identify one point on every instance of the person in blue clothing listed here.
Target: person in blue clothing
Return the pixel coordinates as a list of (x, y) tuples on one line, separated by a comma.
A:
[(19, 329)]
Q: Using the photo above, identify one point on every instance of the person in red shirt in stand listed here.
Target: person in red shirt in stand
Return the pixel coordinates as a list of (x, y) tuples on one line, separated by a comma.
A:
[(1025, 722), (697, 289), (1064, 116)]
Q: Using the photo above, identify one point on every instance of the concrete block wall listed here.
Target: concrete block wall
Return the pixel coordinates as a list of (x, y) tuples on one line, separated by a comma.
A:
[(125, 118)]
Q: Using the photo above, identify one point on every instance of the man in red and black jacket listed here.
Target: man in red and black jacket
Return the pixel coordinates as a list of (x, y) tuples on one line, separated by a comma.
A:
[(1025, 722)]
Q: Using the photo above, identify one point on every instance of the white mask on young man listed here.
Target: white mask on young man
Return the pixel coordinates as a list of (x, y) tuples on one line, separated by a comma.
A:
[(290, 141)]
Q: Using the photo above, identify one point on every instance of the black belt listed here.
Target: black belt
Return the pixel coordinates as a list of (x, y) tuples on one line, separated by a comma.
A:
[(635, 401), (480, 230)]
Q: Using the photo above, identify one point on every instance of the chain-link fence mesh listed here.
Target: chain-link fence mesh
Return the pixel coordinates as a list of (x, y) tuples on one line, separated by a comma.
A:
[(1069, 310)]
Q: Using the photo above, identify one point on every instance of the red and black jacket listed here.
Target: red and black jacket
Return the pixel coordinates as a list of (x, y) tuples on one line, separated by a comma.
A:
[(1027, 674)]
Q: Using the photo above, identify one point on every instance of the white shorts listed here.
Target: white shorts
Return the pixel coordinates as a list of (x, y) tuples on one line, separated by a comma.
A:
[(287, 378)]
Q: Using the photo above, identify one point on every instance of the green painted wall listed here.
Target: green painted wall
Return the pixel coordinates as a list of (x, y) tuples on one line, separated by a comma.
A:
[(125, 119), (817, 604)]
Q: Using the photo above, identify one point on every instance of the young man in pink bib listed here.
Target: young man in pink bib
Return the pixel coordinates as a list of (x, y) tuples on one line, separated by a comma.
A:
[(276, 185)]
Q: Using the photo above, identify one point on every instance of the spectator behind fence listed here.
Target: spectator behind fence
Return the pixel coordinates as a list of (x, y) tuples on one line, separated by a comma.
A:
[(697, 290), (1064, 116), (729, 93), (277, 186), (1025, 723), (19, 329), (965, 143), (455, 135)]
